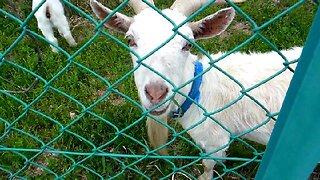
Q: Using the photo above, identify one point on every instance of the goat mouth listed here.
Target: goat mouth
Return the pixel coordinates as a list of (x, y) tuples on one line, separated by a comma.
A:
[(158, 113)]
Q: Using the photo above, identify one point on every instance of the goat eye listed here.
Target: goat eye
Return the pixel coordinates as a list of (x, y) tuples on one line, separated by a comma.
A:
[(131, 42), (187, 47)]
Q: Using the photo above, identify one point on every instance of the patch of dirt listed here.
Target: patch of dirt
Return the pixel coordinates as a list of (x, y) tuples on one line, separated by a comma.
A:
[(78, 24), (114, 99), (117, 100), (43, 160), (244, 27), (225, 35)]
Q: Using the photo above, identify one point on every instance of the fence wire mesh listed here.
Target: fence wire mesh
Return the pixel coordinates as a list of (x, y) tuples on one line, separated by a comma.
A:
[(76, 114)]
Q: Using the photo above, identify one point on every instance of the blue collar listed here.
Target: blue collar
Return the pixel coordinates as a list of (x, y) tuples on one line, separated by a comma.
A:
[(194, 94)]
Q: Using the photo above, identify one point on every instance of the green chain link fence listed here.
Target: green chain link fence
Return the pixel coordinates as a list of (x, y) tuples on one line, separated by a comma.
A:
[(77, 138)]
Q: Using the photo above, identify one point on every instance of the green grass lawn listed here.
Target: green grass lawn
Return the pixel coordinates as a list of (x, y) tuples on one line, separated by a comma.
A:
[(55, 118)]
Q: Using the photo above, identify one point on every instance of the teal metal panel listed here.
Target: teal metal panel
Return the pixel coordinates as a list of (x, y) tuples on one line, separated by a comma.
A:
[(294, 147)]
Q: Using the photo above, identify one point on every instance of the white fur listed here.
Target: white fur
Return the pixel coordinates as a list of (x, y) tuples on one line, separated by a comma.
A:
[(57, 20), (218, 90), (149, 30)]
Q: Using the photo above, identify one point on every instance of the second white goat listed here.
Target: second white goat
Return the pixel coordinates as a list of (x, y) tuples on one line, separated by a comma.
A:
[(49, 16)]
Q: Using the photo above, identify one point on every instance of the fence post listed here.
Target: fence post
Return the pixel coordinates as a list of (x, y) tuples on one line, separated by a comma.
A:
[(294, 147)]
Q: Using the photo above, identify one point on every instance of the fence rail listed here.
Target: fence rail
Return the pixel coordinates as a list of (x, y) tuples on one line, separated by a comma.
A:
[(76, 115)]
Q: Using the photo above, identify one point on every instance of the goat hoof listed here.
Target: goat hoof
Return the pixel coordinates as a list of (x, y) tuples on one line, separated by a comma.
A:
[(74, 44), (55, 50), (163, 152), (207, 175)]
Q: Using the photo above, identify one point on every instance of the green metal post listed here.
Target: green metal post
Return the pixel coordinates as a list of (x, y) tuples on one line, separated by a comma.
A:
[(294, 147)]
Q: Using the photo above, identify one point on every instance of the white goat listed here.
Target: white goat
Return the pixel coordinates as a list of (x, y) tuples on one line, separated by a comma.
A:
[(148, 30), (51, 15)]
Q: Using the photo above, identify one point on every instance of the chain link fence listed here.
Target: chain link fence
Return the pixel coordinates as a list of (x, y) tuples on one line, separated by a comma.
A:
[(76, 114)]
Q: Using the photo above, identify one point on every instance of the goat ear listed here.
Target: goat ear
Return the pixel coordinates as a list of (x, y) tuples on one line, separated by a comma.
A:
[(118, 21), (212, 25)]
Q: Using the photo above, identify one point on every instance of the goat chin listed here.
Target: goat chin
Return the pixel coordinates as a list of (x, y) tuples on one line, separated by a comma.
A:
[(157, 133)]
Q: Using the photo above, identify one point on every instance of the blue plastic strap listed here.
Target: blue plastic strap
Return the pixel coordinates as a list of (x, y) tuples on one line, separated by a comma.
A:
[(194, 94)]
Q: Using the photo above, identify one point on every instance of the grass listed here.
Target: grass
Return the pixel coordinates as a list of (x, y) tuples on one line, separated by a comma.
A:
[(57, 119)]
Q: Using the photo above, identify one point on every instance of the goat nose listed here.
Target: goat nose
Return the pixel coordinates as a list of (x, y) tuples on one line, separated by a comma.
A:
[(156, 92)]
